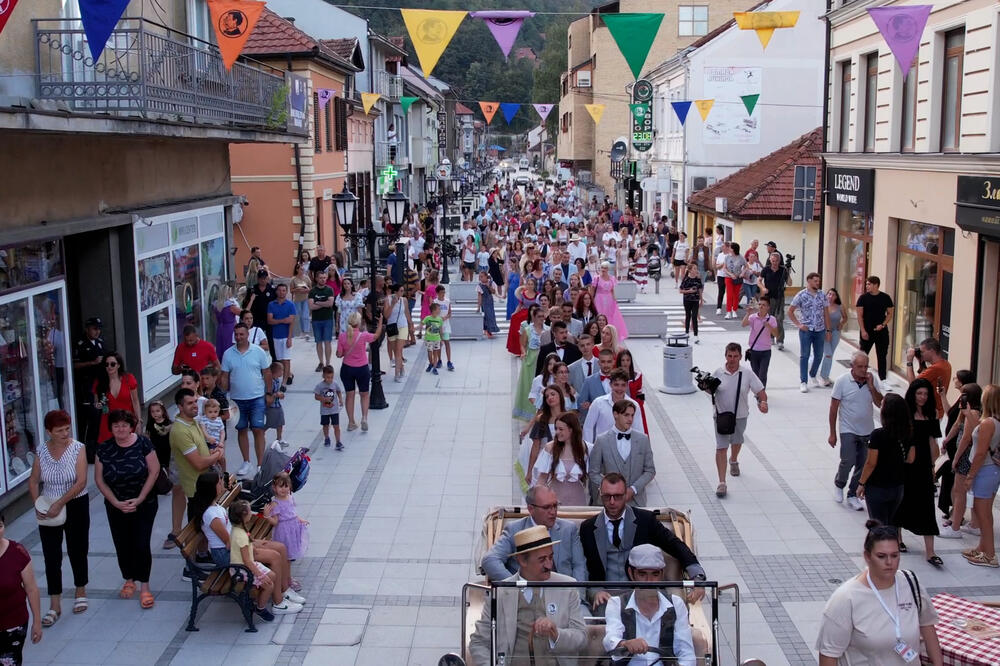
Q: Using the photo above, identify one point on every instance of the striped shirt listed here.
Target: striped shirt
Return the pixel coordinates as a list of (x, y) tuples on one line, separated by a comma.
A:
[(58, 476)]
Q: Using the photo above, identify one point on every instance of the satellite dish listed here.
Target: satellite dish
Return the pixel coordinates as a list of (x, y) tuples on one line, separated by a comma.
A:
[(618, 150)]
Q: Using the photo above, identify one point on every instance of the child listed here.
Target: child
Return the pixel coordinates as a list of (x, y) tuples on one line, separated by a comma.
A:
[(209, 388), (289, 529), (445, 304), (275, 413), (482, 260), (485, 305), (213, 428), (432, 336), (241, 552), (158, 429), (330, 394)]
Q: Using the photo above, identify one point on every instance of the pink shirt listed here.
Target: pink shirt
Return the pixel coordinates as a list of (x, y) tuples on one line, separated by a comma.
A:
[(357, 355), (756, 325)]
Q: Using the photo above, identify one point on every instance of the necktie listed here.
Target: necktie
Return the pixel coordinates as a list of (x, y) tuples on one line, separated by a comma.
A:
[(625, 435), (590, 368), (616, 537)]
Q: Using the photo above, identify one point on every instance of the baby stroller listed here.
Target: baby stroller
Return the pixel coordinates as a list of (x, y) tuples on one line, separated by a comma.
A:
[(258, 491)]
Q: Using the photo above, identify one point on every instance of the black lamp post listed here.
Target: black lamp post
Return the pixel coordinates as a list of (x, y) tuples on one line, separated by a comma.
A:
[(432, 188)]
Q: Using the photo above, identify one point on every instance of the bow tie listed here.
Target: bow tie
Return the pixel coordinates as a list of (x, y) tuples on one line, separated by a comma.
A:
[(603, 377), (625, 435)]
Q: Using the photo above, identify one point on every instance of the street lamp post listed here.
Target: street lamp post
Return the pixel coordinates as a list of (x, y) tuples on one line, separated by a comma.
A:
[(432, 188)]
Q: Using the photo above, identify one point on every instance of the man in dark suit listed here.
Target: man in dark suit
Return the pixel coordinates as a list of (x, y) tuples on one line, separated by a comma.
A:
[(609, 536), (560, 346)]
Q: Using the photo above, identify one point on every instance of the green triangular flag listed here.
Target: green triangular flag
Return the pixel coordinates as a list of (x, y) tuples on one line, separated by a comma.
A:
[(406, 102), (634, 35), (750, 101)]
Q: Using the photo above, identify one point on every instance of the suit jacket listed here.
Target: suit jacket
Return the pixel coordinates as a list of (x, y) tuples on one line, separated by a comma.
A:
[(563, 604), (600, 417), (570, 353), (578, 372), (592, 389), (640, 527), (498, 562), (638, 470)]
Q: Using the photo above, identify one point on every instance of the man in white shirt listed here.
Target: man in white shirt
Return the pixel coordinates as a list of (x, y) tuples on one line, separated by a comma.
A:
[(580, 371), (648, 618), (577, 250), (625, 452), (854, 395), (600, 416), (737, 381)]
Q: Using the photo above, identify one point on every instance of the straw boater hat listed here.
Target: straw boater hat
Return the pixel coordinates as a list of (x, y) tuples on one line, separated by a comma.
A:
[(532, 538)]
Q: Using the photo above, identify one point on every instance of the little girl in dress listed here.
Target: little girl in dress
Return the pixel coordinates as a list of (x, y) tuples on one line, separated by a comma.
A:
[(289, 529)]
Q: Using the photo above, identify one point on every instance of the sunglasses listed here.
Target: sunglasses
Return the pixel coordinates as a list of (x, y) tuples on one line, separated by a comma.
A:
[(111, 364)]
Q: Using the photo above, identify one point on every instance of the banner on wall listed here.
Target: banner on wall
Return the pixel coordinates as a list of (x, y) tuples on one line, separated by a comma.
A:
[(6, 9), (504, 26), (233, 21), (489, 110), (99, 18), (902, 27), (765, 23), (430, 32), (732, 121)]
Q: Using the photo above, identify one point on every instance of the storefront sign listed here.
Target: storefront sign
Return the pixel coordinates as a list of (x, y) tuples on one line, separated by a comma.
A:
[(978, 206), (853, 189)]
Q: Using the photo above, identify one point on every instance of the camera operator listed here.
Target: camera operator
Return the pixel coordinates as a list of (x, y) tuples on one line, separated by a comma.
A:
[(933, 367), (736, 381), (772, 281)]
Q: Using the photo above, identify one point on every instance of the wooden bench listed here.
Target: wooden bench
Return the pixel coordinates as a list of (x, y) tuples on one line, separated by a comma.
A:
[(208, 580)]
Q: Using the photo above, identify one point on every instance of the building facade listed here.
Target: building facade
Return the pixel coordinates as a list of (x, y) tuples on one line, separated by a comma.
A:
[(901, 152)]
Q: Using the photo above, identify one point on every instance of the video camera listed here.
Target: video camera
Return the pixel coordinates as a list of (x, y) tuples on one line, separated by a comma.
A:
[(706, 381), (789, 258)]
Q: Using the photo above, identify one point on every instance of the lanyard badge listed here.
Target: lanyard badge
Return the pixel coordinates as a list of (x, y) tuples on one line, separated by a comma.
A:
[(901, 648)]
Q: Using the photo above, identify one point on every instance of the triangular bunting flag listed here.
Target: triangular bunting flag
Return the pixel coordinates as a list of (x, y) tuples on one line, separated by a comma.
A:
[(430, 31), (750, 101), (901, 27), (324, 95), (595, 111), (543, 110), (509, 110), (704, 106), (6, 9), (681, 109), (368, 101), (634, 35), (234, 20), (489, 109), (99, 18), (504, 25), (407, 102), (764, 23)]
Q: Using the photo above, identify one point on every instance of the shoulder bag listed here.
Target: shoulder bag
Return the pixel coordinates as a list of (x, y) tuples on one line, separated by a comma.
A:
[(392, 329), (746, 354), (351, 348), (725, 422)]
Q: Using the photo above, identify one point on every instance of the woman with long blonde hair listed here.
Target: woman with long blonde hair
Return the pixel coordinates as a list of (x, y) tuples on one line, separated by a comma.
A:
[(355, 373), (984, 475)]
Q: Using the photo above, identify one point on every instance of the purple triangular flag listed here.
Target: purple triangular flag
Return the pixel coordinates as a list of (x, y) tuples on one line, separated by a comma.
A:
[(902, 27), (681, 109), (99, 18), (504, 25), (509, 110), (324, 95), (543, 110)]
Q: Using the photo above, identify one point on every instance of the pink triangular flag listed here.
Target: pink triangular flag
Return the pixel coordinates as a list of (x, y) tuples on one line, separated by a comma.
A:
[(324, 95), (504, 25), (902, 28), (543, 110)]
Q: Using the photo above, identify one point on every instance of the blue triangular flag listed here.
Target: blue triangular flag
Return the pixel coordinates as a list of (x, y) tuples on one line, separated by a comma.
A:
[(99, 19), (681, 109), (509, 110)]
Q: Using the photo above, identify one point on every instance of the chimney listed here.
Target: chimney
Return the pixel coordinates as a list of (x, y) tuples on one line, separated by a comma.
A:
[(290, 19)]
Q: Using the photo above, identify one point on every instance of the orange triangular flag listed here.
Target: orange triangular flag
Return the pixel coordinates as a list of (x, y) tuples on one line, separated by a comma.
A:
[(233, 20), (489, 110), (368, 101)]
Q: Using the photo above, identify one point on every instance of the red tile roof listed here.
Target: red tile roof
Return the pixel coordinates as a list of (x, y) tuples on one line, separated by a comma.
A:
[(463, 110), (342, 47), (764, 189), (274, 35)]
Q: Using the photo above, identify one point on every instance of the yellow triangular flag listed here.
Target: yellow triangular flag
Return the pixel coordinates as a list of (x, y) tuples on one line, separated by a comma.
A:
[(431, 32), (704, 106), (764, 35), (595, 111), (368, 101), (764, 23)]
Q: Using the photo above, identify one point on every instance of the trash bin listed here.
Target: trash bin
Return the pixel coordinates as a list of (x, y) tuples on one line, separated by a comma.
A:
[(677, 363)]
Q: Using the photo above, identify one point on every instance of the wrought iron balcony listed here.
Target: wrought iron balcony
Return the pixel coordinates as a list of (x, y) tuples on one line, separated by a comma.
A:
[(152, 72), (390, 86)]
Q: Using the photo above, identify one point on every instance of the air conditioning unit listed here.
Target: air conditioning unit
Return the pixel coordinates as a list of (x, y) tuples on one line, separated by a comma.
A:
[(583, 79), (701, 182)]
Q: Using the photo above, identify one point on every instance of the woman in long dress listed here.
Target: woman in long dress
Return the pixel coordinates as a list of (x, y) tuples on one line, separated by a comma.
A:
[(543, 428), (562, 463), (627, 363), (916, 513), (227, 312), (527, 295), (604, 300), (513, 282), (530, 342)]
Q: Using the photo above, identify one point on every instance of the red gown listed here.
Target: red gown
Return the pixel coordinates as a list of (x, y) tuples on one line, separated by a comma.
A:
[(121, 401), (634, 389), (519, 317)]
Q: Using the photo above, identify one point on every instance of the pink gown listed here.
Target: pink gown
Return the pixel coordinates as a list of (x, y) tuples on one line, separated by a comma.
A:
[(604, 301)]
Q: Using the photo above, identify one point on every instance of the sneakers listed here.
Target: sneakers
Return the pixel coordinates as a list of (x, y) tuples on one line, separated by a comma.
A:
[(286, 608), (294, 597), (264, 614), (813, 382), (364, 425), (319, 367), (438, 364), (696, 340), (340, 446), (245, 470), (326, 441), (803, 388), (980, 560), (185, 575), (838, 495), (435, 371), (451, 367), (398, 379), (781, 346), (948, 533), (282, 443), (718, 310), (855, 503), (826, 382), (430, 366), (969, 529), (352, 426)]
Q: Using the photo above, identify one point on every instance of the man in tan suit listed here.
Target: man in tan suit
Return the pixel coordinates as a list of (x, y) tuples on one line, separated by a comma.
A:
[(544, 625)]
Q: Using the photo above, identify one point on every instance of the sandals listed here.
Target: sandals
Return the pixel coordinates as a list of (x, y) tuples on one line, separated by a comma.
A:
[(146, 600), (935, 561), (734, 468), (168, 544), (50, 618), (720, 491), (128, 589), (80, 605)]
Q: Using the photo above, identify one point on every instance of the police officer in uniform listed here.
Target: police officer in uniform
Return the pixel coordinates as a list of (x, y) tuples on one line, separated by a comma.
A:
[(88, 355)]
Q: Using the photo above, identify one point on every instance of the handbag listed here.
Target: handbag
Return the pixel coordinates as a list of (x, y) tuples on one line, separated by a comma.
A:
[(163, 485), (392, 329), (42, 506), (725, 422), (746, 354)]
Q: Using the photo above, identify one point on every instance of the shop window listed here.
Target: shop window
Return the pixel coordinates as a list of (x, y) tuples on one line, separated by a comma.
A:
[(845, 106), (871, 100), (854, 239), (27, 265), (924, 271), (50, 348), (20, 417), (951, 89), (187, 289), (692, 20), (908, 110)]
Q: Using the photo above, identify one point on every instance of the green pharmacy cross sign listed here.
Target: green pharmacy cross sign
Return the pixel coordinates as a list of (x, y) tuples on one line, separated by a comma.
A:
[(387, 179)]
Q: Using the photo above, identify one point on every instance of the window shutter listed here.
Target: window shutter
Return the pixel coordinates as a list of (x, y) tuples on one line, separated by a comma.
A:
[(317, 142), (341, 124)]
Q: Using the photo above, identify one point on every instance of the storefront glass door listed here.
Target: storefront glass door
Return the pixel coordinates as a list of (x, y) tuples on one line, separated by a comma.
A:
[(19, 412), (924, 271), (853, 249)]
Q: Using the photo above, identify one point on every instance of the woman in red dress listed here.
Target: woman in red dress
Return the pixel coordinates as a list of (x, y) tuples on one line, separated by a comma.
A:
[(625, 362), (116, 389), (527, 296)]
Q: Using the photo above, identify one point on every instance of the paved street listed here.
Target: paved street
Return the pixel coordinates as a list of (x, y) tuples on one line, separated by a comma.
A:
[(396, 519)]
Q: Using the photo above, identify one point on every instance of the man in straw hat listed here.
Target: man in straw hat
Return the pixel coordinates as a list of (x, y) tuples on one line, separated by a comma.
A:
[(645, 618), (541, 626)]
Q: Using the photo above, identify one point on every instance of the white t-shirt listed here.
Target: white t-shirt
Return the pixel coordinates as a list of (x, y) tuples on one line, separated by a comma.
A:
[(483, 259), (857, 413), (445, 309), (211, 513), (680, 250)]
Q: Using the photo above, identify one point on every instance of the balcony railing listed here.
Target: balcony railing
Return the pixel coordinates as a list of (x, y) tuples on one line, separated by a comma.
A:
[(150, 71), (390, 86)]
